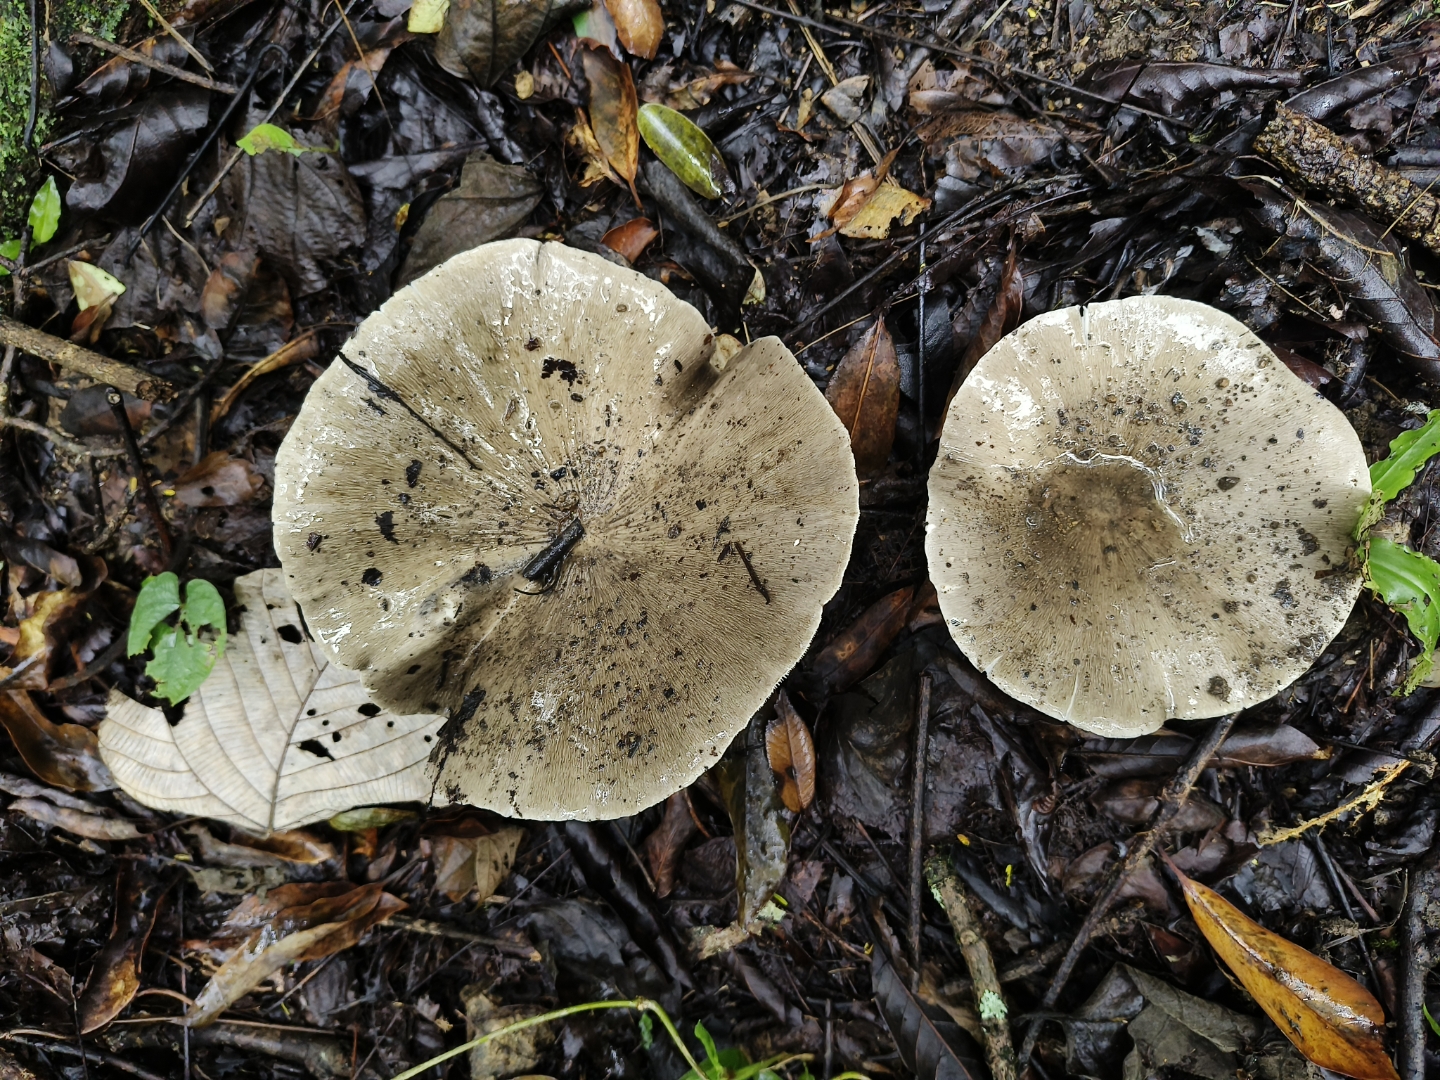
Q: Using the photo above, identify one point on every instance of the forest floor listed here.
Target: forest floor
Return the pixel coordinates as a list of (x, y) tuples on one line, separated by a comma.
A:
[(1038, 156)]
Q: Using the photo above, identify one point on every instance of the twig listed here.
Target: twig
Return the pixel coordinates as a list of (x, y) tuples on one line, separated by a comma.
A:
[(454, 933), (114, 651), (29, 137), (817, 50), (36, 267), (300, 73), (116, 401), (1417, 960), (1365, 801), (68, 445), (76, 358), (1172, 800), (917, 819), (84, 1053), (179, 38), (150, 62), (989, 1000)]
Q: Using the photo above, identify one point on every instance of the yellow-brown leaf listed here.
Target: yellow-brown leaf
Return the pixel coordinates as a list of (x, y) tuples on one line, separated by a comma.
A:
[(639, 25), (613, 105), (865, 394), (1331, 1018), (791, 751), (631, 238)]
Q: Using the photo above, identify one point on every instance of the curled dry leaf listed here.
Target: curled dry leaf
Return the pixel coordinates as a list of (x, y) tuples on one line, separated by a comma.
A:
[(474, 864), (762, 834), (639, 24), (1000, 318), (66, 755), (664, 845), (1333, 1020), (854, 651), (792, 755), (90, 826), (481, 39), (613, 107), (219, 480), (581, 141), (632, 238), (115, 979), (865, 394), (276, 737), (293, 923)]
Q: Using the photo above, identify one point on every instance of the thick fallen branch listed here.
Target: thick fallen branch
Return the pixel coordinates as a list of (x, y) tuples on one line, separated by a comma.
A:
[(1311, 153), (71, 356)]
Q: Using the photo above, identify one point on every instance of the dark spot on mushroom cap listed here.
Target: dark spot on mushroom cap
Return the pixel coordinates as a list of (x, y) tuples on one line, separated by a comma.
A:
[(1225, 483), (386, 521), (412, 472), (313, 541), (1219, 688), (371, 576)]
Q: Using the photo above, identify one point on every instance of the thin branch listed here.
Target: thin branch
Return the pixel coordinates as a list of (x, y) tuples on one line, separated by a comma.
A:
[(150, 62)]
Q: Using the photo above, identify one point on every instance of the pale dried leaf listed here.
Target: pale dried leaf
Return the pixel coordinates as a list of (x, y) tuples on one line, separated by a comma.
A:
[(276, 737)]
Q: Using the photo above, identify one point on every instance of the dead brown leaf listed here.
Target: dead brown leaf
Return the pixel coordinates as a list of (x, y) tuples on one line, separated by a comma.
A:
[(225, 288), (865, 394), (1333, 1020), (664, 845), (593, 165), (639, 24), (791, 751), (115, 978), (473, 864), (631, 238), (1002, 317), (288, 927), (613, 107), (219, 480), (849, 657), (90, 826), (65, 755)]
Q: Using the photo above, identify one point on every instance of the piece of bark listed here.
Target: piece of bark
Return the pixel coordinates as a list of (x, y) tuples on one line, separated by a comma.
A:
[(75, 358), (1310, 152)]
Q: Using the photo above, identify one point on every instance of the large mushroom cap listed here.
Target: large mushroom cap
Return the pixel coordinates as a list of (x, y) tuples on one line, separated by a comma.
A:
[(476, 417), (1137, 513)]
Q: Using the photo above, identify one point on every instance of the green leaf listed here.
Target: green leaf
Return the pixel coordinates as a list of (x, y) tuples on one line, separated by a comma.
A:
[(180, 664), (1391, 475), (1425, 1009), (685, 150), (203, 607), (712, 1056), (45, 212), (264, 137), (159, 597), (11, 250), (370, 817), (1410, 583), (647, 1031)]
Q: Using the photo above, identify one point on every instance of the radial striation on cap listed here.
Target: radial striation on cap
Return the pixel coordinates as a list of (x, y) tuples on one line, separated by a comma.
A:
[(1138, 513), (529, 407)]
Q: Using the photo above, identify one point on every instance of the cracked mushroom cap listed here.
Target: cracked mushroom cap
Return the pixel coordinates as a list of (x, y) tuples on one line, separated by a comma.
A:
[(1137, 513), (523, 498)]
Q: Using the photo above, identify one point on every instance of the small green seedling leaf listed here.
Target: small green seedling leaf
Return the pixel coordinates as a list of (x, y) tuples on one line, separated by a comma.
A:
[(180, 658), (685, 150), (1410, 583), (712, 1056), (647, 1031), (263, 137), (159, 598), (10, 249), (1391, 475), (45, 212), (1425, 1009)]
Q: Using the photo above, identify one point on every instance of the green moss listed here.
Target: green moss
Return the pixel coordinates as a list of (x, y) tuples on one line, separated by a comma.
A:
[(19, 165)]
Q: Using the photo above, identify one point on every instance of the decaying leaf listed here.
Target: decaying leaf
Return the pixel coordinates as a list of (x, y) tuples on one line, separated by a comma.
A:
[(490, 202), (844, 98), (92, 285), (276, 737), (1333, 1020), (931, 1044), (481, 39), (792, 755), (473, 864), (1002, 316), (854, 651), (613, 109), (889, 203), (631, 238), (115, 978), (509, 1055), (685, 150), (580, 138), (664, 845), (291, 924), (92, 826), (66, 755), (639, 24), (865, 394), (219, 479), (762, 836)]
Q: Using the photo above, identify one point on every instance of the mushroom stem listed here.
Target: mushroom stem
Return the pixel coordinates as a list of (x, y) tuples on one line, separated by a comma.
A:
[(1172, 800)]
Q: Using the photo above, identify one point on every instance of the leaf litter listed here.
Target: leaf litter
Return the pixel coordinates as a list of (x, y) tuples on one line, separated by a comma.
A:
[(1071, 154)]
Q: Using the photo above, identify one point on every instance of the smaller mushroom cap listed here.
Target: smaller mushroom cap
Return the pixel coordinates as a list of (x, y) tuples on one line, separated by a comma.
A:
[(523, 498), (1138, 513)]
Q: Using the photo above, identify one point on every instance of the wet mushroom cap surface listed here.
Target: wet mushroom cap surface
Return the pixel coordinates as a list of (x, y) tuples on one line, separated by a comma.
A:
[(1138, 513), (523, 498)]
